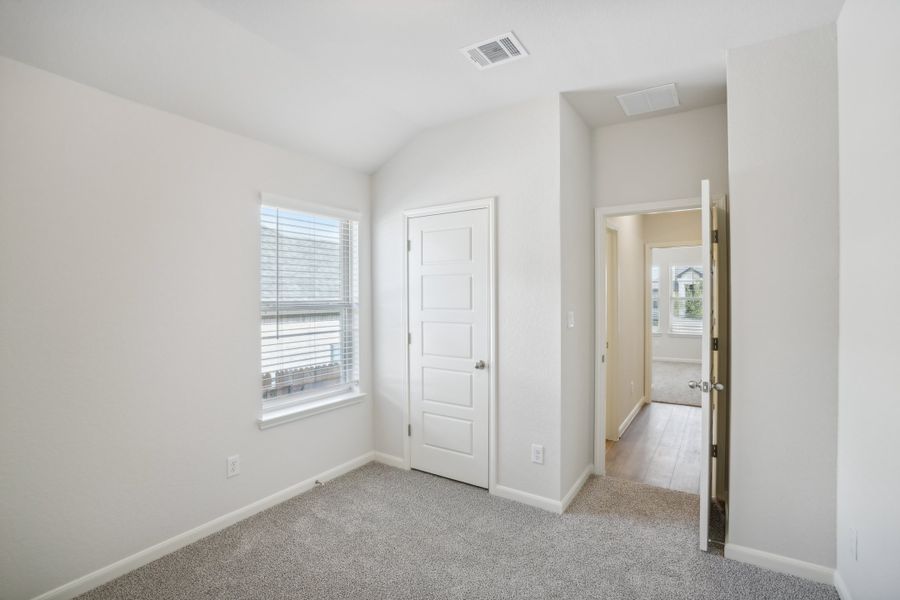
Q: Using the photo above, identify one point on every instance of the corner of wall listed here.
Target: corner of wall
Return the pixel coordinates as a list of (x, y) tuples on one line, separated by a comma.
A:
[(868, 523), (576, 292), (783, 150)]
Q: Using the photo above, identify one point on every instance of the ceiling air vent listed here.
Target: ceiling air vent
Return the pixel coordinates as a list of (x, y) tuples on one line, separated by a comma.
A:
[(649, 100), (495, 51)]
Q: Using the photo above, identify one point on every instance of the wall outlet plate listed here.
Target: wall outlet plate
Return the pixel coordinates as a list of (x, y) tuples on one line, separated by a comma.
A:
[(233, 465), (537, 454)]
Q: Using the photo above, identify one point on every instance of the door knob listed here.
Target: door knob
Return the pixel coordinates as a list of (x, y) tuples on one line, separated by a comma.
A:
[(480, 364), (693, 384), (718, 387)]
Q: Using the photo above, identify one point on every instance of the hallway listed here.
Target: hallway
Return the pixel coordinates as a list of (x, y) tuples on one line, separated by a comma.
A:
[(660, 448)]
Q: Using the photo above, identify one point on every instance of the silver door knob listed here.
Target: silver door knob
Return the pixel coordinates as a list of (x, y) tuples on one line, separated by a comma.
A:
[(480, 364), (718, 387), (693, 384)]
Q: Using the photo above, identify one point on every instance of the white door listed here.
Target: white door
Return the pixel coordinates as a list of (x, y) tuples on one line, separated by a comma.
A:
[(710, 384), (449, 343)]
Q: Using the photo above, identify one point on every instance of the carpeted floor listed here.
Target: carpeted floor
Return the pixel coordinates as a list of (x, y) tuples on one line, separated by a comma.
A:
[(670, 383), (380, 532)]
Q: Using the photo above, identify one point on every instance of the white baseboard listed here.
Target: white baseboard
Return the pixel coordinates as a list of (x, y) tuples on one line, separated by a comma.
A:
[(634, 411), (841, 586), (554, 506), (576, 487), (139, 559), (391, 460), (528, 498), (781, 564), (690, 361)]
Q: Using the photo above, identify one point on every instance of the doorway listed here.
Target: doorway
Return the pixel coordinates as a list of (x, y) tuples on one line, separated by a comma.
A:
[(654, 324), (658, 297), (449, 314), (675, 318)]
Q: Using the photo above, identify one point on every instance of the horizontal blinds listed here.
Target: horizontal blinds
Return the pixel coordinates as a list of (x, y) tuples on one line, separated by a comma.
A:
[(687, 299), (309, 321), (654, 298)]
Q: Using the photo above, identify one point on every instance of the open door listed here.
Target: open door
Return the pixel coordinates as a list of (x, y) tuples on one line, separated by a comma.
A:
[(712, 368)]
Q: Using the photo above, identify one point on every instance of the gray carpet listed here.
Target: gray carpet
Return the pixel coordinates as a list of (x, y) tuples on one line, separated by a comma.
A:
[(670, 383), (380, 532)]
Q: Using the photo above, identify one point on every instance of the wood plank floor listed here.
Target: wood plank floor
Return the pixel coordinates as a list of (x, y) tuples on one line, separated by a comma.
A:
[(661, 448)]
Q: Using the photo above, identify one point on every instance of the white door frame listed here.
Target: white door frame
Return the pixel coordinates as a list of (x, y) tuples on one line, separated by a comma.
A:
[(612, 337), (489, 204), (601, 214)]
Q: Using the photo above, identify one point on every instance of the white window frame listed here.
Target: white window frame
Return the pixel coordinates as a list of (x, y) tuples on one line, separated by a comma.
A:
[(294, 407), (671, 317)]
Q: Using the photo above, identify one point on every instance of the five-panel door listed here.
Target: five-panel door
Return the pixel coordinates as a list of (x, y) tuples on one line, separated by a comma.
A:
[(449, 343)]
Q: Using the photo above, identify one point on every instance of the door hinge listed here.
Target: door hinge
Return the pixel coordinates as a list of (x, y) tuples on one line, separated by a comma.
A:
[(715, 236), (714, 450), (715, 343), (409, 430), (409, 338), (408, 245)]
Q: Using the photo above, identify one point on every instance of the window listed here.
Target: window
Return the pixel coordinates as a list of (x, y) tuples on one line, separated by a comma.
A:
[(309, 309), (687, 300), (654, 298)]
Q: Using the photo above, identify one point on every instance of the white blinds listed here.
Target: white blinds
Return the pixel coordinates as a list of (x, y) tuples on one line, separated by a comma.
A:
[(687, 299), (654, 298), (309, 321)]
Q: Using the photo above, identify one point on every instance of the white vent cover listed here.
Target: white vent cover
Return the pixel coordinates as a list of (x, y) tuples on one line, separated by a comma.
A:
[(495, 51), (649, 100)]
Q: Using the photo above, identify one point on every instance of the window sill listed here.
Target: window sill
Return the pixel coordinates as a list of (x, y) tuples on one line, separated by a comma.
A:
[(302, 411)]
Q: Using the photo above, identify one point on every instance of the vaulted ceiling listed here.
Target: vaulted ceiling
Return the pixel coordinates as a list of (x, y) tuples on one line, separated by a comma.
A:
[(353, 80)]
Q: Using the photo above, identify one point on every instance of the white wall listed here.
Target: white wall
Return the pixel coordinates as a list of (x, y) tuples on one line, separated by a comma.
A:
[(627, 349), (577, 268), (663, 158), (512, 154), (782, 133), (868, 448), (667, 345), (129, 320)]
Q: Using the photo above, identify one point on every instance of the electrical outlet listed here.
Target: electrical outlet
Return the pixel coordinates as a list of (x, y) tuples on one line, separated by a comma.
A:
[(537, 454), (854, 544), (233, 465)]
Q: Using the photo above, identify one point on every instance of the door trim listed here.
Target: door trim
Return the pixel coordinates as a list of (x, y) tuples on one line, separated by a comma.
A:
[(611, 240), (601, 214), (490, 205)]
